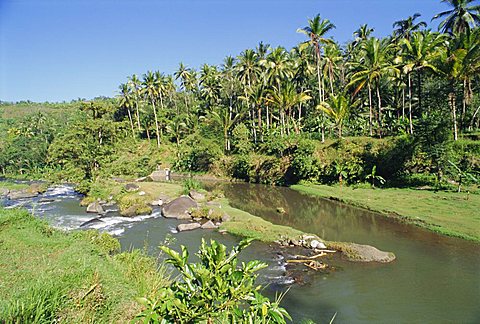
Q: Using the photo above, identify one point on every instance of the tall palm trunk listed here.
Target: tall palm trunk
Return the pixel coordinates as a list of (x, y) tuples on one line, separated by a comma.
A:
[(131, 122), (419, 80), (320, 90), (370, 113), (156, 123), (410, 103), (379, 109), (138, 115), (453, 104)]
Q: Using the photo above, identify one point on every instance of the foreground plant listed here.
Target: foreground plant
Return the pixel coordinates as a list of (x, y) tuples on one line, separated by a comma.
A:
[(213, 290)]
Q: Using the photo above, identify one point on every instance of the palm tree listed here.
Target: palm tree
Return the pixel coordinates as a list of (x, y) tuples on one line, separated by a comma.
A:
[(183, 74), (464, 66), (460, 18), (135, 86), (407, 26), (248, 72), (126, 102), (375, 64), (316, 30), (419, 53), (285, 99), (337, 108), (150, 91)]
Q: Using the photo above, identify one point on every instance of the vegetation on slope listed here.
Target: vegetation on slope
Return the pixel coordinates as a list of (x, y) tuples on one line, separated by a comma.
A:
[(49, 275)]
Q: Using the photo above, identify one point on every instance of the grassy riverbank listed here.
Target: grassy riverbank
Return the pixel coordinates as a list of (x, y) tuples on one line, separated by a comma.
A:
[(76, 277), (448, 213)]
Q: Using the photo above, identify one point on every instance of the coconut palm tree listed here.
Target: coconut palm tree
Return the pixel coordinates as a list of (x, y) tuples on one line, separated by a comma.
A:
[(183, 74), (419, 53), (316, 30), (126, 102), (405, 27), (376, 63), (249, 71), (285, 99), (135, 84), (150, 91), (338, 108), (461, 18)]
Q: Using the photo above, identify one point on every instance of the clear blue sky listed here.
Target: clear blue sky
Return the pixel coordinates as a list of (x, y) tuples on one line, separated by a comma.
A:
[(54, 50)]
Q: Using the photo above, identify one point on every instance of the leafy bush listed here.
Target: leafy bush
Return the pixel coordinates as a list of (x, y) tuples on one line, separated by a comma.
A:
[(214, 289), (191, 184), (240, 168)]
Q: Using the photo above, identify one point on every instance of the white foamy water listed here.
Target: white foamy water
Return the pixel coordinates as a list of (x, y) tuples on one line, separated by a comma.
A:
[(59, 191)]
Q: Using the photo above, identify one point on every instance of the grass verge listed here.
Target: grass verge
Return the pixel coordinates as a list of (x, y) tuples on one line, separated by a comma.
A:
[(52, 276), (447, 213)]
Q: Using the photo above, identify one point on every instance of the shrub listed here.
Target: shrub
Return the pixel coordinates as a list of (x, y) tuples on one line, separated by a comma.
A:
[(212, 290)]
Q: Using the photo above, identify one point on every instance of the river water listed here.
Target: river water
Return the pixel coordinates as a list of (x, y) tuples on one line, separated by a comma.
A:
[(435, 279)]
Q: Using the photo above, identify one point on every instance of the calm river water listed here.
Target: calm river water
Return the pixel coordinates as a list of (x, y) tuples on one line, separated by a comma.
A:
[(435, 279)]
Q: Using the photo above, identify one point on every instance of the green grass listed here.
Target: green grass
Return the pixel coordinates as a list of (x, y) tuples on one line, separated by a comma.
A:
[(13, 186), (48, 275), (448, 213), (247, 225)]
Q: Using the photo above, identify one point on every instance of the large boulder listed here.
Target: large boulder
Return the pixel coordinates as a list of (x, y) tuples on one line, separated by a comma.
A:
[(197, 196), (136, 209), (362, 253), (21, 194), (156, 176), (4, 192), (179, 208), (95, 207), (188, 227), (131, 187), (209, 225)]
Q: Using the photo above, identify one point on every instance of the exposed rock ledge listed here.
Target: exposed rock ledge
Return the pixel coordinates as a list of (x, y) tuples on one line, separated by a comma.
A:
[(361, 253)]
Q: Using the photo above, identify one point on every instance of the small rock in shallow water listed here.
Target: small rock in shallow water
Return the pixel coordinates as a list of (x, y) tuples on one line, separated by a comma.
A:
[(188, 227), (209, 225), (95, 207)]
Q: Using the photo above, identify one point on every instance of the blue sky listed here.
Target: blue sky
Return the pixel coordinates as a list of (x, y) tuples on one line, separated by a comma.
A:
[(55, 50)]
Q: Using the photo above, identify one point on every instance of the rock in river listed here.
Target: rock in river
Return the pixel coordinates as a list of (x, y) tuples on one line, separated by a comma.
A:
[(179, 208), (362, 253), (95, 207), (209, 225), (188, 227), (20, 194), (197, 196)]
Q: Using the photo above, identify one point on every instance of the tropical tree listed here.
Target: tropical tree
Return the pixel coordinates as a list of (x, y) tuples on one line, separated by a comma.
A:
[(150, 91), (135, 86), (285, 99), (420, 52), (461, 18), (376, 62), (338, 109), (316, 30), (126, 101), (405, 27)]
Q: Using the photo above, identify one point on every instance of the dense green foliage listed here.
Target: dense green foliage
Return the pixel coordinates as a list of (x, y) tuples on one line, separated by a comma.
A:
[(404, 108), (215, 289)]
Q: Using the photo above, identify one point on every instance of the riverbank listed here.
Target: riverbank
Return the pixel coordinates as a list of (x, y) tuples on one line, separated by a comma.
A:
[(448, 213), (48, 274)]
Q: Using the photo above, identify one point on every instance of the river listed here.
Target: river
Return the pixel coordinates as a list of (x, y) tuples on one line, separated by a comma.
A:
[(434, 279)]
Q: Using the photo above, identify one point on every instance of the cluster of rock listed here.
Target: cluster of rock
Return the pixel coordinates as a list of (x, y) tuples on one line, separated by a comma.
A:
[(307, 241), (31, 192), (183, 207)]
